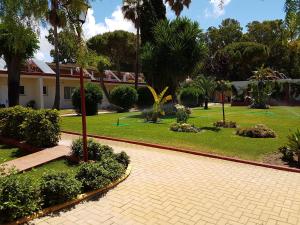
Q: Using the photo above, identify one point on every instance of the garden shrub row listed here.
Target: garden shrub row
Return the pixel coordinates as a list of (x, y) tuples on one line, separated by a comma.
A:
[(21, 195), (40, 128)]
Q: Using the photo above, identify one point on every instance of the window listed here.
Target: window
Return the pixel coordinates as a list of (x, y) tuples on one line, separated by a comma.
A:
[(45, 90), (68, 91), (22, 90)]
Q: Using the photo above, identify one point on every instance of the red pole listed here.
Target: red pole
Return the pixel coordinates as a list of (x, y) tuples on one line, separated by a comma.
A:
[(83, 117)]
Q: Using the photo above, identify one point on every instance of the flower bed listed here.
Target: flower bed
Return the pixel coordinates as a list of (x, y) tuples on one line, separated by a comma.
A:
[(258, 131)]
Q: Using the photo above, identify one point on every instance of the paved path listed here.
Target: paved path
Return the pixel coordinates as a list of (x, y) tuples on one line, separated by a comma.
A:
[(174, 188), (38, 158)]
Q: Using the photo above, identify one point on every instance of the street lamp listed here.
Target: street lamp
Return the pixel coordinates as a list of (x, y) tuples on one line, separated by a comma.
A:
[(81, 21)]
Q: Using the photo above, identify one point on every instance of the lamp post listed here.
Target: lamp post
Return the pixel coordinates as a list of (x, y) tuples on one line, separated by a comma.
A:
[(81, 20)]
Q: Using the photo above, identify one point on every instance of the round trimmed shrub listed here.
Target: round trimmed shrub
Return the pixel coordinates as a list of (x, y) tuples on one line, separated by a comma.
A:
[(59, 187), (124, 97), (123, 158), (191, 97), (93, 97), (19, 197), (258, 131), (145, 98)]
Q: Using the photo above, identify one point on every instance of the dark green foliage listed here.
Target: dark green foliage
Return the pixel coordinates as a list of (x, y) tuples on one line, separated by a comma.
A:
[(124, 97), (226, 124), (287, 154), (191, 97), (182, 116), (42, 128), (145, 98), (123, 158), (258, 131), (11, 120), (93, 97), (98, 175), (19, 197), (96, 151), (184, 127), (59, 187)]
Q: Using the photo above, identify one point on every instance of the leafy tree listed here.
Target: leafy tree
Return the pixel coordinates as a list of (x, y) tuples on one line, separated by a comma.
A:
[(208, 87), (118, 46), (237, 60), (178, 47), (292, 18), (67, 46), (18, 41), (132, 11), (228, 32), (102, 65), (178, 5)]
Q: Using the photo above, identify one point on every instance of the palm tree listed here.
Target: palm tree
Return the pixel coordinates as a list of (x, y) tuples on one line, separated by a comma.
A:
[(208, 86), (59, 16), (132, 11), (223, 86), (294, 144)]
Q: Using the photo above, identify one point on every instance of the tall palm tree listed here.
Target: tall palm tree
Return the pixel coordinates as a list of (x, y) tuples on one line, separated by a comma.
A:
[(208, 86), (132, 11)]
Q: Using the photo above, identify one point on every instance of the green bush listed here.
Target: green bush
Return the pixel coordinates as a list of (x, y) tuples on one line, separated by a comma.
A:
[(124, 97), (96, 151), (145, 98), (59, 187), (114, 169), (11, 120), (182, 116), (287, 154), (19, 197), (184, 127), (123, 158), (42, 128), (226, 124), (191, 97), (93, 97), (258, 131)]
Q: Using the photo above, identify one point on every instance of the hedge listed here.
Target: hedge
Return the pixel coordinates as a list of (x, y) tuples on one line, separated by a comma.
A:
[(40, 128)]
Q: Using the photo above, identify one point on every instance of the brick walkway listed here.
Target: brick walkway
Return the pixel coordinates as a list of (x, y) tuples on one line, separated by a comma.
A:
[(38, 158), (175, 188)]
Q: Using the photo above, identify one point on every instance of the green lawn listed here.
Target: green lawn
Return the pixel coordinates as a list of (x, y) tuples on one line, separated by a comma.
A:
[(282, 119), (9, 153)]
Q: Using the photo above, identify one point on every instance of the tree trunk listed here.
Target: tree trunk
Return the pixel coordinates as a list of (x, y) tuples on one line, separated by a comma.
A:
[(56, 104), (223, 108), (104, 89), (13, 81), (137, 61)]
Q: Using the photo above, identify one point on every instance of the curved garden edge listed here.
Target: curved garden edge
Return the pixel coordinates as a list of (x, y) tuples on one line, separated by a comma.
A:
[(80, 198), (182, 150)]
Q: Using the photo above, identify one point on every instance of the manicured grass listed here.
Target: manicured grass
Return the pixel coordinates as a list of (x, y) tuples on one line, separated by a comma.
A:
[(60, 165), (66, 111), (281, 119), (8, 153)]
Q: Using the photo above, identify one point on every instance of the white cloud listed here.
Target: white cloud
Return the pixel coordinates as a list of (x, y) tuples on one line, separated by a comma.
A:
[(216, 9), (90, 29)]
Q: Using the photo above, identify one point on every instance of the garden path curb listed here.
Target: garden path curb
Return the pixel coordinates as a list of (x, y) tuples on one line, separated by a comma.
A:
[(182, 150), (80, 198)]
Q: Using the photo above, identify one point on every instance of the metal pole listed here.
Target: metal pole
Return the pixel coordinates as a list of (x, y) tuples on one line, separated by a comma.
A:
[(83, 110)]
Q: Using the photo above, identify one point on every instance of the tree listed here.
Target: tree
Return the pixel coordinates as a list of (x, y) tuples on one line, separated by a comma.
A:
[(18, 40), (292, 18), (67, 46), (228, 32), (178, 47), (132, 11), (59, 16), (223, 86), (118, 46), (178, 5), (208, 87), (102, 65)]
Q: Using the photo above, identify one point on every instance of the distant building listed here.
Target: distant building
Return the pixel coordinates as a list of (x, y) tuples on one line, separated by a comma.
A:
[(38, 82)]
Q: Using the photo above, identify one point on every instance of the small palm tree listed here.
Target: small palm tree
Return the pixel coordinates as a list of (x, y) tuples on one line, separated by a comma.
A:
[(294, 144), (178, 5), (159, 101), (223, 86), (132, 11), (208, 86)]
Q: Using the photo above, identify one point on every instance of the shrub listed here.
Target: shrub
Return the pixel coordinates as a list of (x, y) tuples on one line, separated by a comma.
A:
[(123, 158), (93, 97), (182, 116), (227, 124), (145, 98), (258, 131), (287, 154), (184, 127), (114, 169), (124, 97), (58, 187), (42, 128), (191, 97), (11, 120), (92, 176), (96, 151), (19, 197)]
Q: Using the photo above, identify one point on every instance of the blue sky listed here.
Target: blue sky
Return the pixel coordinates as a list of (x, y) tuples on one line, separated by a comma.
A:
[(106, 15)]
